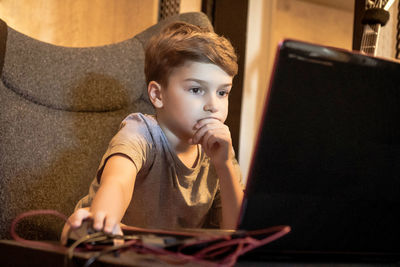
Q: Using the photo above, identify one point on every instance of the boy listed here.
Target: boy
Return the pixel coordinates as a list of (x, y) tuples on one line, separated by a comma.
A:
[(175, 169)]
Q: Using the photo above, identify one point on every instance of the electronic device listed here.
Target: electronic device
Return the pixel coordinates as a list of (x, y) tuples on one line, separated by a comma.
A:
[(327, 156)]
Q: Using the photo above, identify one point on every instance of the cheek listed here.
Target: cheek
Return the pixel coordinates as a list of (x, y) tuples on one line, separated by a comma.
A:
[(224, 111), (185, 113), (192, 106), (179, 106), (225, 116)]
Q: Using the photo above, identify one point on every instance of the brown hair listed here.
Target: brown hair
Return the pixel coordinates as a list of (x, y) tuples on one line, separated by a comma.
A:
[(180, 42)]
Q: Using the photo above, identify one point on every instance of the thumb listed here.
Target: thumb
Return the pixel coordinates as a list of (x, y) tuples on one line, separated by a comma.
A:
[(64, 234)]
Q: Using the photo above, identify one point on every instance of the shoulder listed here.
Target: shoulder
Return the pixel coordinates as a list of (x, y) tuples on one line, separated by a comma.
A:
[(135, 139), (136, 125), (139, 120)]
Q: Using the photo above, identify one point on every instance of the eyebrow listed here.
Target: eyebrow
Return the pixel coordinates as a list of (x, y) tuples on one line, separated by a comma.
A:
[(205, 82)]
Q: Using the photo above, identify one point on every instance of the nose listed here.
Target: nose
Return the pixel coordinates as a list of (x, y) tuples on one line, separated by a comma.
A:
[(209, 108), (210, 105)]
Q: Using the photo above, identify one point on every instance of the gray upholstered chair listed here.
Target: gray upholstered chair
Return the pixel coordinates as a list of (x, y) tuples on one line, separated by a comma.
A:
[(59, 107)]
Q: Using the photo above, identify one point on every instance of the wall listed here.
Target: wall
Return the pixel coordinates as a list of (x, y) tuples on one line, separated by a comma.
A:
[(79, 22), (190, 6), (268, 23)]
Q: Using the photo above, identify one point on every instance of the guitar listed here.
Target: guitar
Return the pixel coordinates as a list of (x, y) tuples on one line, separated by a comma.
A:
[(376, 15)]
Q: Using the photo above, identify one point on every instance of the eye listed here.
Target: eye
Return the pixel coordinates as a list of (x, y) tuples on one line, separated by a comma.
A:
[(223, 93), (196, 90)]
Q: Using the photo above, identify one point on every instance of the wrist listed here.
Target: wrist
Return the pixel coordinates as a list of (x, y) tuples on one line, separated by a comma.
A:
[(223, 161), (220, 163), (223, 166)]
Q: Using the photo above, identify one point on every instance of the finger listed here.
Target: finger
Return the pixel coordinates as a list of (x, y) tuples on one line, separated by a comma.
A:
[(205, 140), (98, 221), (109, 224), (221, 132), (205, 121), (78, 216), (117, 229), (212, 143), (199, 134)]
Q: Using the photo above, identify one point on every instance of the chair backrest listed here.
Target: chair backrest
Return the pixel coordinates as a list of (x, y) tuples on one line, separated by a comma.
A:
[(59, 108)]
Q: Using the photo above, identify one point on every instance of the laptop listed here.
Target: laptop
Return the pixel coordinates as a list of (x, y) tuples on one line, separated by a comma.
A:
[(327, 157)]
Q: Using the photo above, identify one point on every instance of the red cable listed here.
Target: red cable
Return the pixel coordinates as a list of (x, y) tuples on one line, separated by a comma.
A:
[(209, 254), (31, 213)]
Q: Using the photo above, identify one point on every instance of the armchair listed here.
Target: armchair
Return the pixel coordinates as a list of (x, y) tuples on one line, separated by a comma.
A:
[(59, 108)]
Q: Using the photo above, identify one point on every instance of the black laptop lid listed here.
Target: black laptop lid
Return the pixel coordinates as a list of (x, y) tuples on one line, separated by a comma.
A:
[(327, 158)]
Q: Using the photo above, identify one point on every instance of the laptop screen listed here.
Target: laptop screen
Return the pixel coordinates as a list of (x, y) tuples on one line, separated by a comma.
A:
[(327, 157)]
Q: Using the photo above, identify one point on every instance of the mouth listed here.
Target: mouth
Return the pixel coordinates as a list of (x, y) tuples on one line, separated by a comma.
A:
[(214, 118)]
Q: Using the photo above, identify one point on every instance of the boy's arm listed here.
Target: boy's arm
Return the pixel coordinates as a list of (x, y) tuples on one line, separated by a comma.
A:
[(114, 194), (231, 194), (215, 138), (111, 199)]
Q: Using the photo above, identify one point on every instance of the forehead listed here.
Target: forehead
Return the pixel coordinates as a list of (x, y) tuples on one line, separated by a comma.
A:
[(205, 72)]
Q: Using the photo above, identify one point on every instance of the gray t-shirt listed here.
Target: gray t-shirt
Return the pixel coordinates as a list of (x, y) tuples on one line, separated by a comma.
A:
[(167, 194)]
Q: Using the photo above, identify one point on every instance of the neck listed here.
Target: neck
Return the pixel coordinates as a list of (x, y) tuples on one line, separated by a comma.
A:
[(186, 152), (176, 142)]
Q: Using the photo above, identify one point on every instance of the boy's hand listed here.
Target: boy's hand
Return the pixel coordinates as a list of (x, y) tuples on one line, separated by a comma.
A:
[(99, 223), (106, 223), (215, 138), (74, 221)]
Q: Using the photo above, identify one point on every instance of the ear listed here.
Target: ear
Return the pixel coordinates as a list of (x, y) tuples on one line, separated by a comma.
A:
[(154, 92)]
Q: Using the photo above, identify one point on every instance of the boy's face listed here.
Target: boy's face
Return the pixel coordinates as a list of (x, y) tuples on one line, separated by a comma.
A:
[(195, 91)]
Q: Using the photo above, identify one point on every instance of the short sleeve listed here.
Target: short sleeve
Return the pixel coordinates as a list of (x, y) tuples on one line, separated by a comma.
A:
[(132, 140)]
